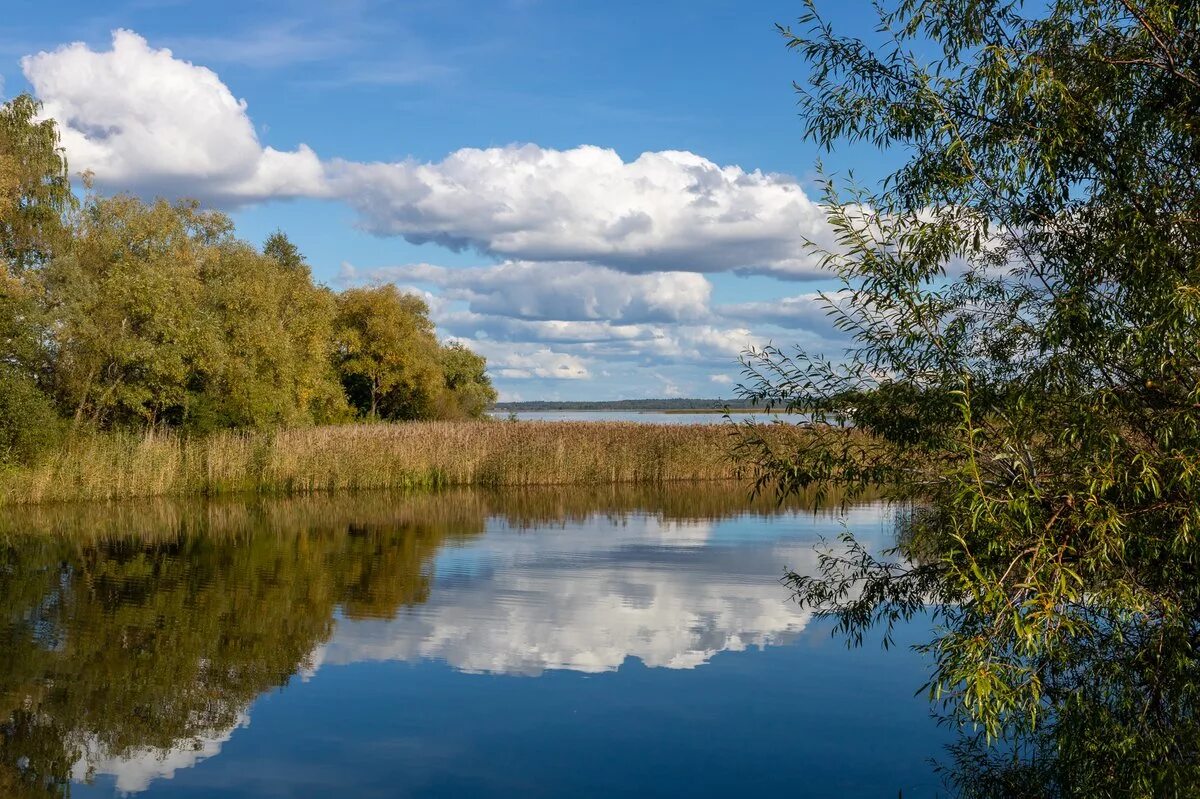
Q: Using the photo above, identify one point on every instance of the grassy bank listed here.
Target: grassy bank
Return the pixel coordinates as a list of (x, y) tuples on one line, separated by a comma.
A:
[(368, 456)]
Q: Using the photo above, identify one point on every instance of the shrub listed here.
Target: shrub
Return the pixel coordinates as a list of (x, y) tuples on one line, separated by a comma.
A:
[(29, 425)]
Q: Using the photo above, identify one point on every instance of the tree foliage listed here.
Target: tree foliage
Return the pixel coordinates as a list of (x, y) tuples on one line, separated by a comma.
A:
[(1023, 300), (272, 363), (469, 390), (34, 189), (34, 197), (385, 352), (128, 302), (392, 366)]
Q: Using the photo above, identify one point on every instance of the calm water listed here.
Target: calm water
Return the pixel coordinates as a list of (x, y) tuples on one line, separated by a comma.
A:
[(644, 417), (530, 644)]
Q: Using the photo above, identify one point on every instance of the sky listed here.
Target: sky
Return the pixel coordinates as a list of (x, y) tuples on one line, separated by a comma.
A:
[(607, 199)]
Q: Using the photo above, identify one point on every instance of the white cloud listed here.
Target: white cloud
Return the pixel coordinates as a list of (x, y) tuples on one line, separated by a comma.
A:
[(646, 344), (143, 120), (557, 332), (803, 311), (524, 362), (557, 291), (703, 345), (667, 210), (556, 321)]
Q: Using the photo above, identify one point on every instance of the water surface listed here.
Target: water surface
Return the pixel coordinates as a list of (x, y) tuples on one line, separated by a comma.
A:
[(642, 417), (616, 642)]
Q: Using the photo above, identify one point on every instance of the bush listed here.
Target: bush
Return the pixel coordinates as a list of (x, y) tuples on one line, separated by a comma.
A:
[(29, 424)]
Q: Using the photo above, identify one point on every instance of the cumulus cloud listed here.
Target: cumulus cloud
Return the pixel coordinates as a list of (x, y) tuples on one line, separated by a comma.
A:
[(699, 345), (556, 332), (593, 312), (143, 120), (645, 344), (557, 291), (668, 210), (524, 362)]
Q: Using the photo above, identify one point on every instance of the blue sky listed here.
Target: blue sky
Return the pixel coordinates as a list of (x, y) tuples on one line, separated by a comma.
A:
[(487, 154)]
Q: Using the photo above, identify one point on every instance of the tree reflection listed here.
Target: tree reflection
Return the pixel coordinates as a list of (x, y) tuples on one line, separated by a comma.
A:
[(1119, 710), (114, 644), (151, 628), (1120, 720)]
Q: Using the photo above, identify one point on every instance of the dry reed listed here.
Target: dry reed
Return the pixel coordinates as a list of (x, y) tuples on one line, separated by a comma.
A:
[(369, 456)]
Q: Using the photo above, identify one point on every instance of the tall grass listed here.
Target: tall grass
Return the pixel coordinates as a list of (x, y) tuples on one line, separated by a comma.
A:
[(368, 456)]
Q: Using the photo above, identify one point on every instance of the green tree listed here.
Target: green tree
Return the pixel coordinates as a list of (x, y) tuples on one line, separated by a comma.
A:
[(279, 247), (29, 423), (469, 391), (272, 366), (127, 298), (24, 325), (124, 314), (163, 317), (387, 354), (34, 196), (35, 191), (309, 311), (1023, 297)]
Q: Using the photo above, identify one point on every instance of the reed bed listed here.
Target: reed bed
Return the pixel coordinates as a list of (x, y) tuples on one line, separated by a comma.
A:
[(410, 455)]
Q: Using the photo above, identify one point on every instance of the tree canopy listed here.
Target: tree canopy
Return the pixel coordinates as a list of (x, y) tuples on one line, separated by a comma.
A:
[(1023, 301), (35, 191)]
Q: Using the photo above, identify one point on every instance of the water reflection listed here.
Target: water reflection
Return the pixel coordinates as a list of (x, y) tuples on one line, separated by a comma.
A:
[(588, 595), (639, 417), (134, 640), (137, 647)]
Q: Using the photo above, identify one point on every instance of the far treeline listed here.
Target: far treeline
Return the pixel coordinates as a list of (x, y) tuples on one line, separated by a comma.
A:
[(119, 314)]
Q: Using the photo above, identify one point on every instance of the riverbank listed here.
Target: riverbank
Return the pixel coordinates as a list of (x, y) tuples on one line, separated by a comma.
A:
[(411, 455)]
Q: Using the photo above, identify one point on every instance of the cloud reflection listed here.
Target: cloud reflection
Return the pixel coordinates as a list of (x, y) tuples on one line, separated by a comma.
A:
[(136, 769), (135, 639), (590, 595)]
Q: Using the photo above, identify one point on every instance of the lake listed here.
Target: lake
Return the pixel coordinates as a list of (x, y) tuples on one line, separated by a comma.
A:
[(643, 417), (536, 643)]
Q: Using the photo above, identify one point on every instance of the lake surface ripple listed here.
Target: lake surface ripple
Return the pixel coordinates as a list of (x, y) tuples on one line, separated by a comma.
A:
[(537, 643)]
